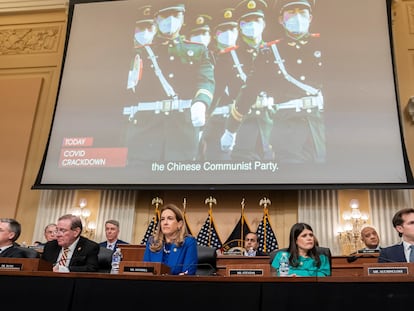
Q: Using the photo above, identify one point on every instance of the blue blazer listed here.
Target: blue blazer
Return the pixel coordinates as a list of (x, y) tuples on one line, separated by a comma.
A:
[(105, 243), (394, 253), (180, 259)]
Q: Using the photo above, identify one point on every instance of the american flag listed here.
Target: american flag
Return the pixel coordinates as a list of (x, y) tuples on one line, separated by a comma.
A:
[(152, 225), (267, 238), (208, 235)]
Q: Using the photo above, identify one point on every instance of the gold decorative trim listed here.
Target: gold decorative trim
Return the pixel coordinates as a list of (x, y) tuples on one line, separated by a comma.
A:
[(7, 6), (34, 40)]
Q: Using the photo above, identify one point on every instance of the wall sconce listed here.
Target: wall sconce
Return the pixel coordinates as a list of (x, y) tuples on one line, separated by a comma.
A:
[(84, 213), (410, 108), (350, 234)]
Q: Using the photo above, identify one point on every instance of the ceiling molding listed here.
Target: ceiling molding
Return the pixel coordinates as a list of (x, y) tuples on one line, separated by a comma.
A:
[(8, 6)]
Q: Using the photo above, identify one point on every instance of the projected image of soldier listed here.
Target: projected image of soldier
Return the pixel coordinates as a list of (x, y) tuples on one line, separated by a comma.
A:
[(145, 30), (174, 89), (250, 122), (229, 77), (298, 135), (198, 29)]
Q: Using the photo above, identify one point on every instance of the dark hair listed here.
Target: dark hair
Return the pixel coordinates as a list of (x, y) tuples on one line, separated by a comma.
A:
[(293, 250), (251, 232), (397, 219), (14, 226)]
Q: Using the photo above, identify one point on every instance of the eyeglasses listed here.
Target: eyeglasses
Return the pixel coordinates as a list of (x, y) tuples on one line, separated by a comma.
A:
[(62, 230)]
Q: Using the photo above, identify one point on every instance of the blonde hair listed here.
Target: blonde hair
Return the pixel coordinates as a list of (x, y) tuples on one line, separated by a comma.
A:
[(158, 238)]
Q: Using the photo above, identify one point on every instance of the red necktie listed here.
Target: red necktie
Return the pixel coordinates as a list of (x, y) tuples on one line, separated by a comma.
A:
[(62, 261)]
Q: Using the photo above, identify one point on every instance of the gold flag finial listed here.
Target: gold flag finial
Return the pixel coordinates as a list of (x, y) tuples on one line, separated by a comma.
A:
[(210, 201), (156, 201), (264, 202)]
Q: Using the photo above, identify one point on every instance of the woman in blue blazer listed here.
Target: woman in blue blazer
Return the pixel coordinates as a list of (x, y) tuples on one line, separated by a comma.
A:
[(171, 244)]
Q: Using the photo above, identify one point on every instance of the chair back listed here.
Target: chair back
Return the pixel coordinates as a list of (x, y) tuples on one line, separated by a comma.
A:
[(104, 259), (207, 260)]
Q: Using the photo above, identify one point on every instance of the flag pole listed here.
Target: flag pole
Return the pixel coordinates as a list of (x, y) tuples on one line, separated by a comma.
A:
[(210, 202), (265, 202), (157, 202), (242, 222)]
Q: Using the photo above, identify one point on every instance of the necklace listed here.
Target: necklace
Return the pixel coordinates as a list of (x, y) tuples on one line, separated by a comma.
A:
[(166, 251)]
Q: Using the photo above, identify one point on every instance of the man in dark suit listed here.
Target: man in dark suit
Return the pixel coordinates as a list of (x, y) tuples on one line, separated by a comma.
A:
[(251, 245), (112, 233), (10, 230), (403, 222), (71, 251)]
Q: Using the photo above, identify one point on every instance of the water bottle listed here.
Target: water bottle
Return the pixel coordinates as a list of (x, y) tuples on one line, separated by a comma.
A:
[(250, 252), (116, 260), (284, 265)]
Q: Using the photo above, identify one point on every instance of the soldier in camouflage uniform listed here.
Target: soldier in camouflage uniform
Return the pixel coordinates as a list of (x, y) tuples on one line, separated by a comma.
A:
[(175, 86)]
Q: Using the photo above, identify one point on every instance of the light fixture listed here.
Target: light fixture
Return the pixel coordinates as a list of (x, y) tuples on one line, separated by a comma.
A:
[(350, 234), (84, 213)]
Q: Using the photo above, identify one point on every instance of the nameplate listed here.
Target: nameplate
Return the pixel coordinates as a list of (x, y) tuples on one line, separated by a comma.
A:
[(143, 268), (11, 266), (137, 269), (388, 269), (368, 251), (248, 270)]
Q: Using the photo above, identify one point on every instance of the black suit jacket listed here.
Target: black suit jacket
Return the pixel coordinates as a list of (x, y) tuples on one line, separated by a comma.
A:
[(16, 251), (84, 258)]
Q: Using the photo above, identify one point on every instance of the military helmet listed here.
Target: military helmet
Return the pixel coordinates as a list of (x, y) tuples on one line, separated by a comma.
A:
[(250, 8)]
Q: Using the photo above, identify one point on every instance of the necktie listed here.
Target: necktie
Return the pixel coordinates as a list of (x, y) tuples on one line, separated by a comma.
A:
[(412, 253), (110, 246), (62, 261)]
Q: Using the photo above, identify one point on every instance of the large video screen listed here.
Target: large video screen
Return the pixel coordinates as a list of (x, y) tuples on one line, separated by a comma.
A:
[(221, 93)]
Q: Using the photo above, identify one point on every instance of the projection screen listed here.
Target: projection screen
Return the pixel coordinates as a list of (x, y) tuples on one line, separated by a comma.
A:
[(220, 93)]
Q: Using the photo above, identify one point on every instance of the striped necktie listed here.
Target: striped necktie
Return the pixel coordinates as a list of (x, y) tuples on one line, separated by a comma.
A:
[(411, 253), (62, 261)]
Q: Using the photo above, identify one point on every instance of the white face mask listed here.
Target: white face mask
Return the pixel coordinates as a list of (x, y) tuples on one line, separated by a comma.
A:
[(144, 37), (228, 37), (297, 24), (170, 25), (203, 39), (252, 29)]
